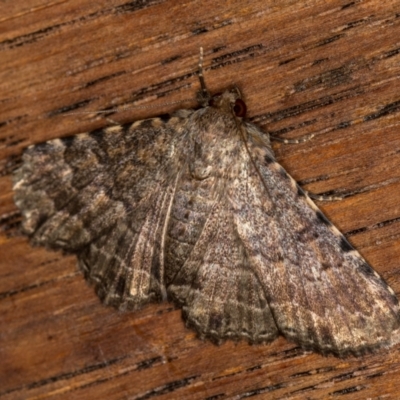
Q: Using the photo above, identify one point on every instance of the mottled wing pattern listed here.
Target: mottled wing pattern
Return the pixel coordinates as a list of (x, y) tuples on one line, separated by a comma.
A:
[(322, 293), (207, 269), (105, 195), (221, 296)]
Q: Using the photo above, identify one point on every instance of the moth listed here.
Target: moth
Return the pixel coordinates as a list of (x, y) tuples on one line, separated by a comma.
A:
[(193, 207)]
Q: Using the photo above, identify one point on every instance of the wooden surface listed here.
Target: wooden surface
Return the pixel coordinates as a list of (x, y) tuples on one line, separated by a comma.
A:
[(331, 68)]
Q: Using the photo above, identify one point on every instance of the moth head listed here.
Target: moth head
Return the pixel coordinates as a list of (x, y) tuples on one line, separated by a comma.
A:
[(229, 101)]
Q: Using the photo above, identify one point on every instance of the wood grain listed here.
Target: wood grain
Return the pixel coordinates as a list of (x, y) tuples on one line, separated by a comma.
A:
[(329, 68)]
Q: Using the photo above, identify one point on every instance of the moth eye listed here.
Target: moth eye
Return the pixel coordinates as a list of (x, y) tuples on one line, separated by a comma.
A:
[(212, 100), (240, 108)]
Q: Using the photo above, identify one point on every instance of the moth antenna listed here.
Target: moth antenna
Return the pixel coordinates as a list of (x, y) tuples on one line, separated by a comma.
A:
[(203, 95)]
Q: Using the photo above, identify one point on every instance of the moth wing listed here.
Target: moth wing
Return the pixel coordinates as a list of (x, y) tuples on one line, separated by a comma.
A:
[(105, 196), (322, 293), (221, 296)]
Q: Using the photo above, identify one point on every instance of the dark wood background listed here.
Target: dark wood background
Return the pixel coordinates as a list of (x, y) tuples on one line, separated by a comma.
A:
[(327, 67)]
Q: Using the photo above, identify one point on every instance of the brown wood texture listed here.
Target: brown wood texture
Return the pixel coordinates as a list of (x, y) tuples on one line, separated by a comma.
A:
[(324, 67)]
